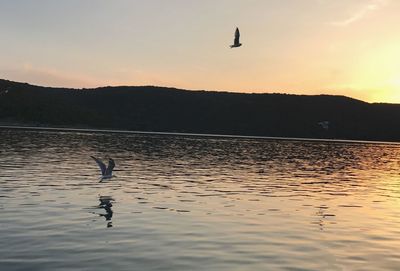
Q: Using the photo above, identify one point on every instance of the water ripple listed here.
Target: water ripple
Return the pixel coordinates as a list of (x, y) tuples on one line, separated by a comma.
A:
[(182, 202)]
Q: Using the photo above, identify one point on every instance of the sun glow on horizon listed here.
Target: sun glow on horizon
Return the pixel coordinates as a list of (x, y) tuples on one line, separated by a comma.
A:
[(378, 73)]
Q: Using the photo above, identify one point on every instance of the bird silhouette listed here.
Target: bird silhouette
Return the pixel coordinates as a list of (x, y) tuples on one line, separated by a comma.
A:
[(236, 42)]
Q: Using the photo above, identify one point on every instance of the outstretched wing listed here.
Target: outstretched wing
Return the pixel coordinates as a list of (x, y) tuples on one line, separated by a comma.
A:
[(237, 36), (111, 165), (101, 165)]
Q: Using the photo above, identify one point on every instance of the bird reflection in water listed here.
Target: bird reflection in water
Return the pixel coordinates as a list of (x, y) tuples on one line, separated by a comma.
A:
[(106, 204), (323, 216)]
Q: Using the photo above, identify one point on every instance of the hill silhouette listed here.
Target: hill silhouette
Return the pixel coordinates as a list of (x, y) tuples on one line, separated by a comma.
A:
[(161, 109)]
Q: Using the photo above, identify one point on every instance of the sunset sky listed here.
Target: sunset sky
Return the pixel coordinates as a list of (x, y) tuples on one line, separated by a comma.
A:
[(347, 47)]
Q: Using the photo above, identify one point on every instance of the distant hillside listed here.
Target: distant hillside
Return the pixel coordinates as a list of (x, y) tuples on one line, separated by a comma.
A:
[(174, 110)]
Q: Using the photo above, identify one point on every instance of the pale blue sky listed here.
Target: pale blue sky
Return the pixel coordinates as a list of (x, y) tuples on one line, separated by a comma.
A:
[(345, 47)]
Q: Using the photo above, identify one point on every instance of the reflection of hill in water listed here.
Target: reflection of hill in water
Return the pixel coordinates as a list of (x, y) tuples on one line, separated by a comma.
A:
[(173, 110)]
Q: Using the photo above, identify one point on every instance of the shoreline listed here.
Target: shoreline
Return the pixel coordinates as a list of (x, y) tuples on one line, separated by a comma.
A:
[(109, 131)]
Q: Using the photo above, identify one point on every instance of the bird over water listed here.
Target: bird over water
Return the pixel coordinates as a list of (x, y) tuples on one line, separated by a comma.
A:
[(106, 171), (236, 42)]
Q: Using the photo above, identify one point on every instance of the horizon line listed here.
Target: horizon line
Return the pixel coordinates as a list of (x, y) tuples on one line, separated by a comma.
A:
[(194, 90)]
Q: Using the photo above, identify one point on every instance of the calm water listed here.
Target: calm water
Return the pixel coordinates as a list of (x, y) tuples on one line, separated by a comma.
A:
[(192, 203)]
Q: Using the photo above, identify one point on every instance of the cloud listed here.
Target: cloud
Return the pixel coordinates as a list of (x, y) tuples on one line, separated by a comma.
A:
[(362, 12)]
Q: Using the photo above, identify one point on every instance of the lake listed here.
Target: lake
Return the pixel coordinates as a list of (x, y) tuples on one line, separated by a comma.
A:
[(197, 203)]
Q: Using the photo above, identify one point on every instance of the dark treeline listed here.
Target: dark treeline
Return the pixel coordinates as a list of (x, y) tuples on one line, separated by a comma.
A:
[(173, 110)]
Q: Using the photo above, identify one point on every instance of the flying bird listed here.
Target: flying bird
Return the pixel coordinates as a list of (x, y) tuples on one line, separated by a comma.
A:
[(324, 124), (236, 42), (4, 91), (106, 172)]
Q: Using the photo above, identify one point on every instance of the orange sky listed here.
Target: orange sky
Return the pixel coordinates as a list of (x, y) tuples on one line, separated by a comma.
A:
[(347, 47)]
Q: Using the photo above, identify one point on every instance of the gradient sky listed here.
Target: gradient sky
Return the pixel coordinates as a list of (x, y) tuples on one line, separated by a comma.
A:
[(347, 47)]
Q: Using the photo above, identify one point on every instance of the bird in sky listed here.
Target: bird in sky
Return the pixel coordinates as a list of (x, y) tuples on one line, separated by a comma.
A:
[(236, 42), (106, 171)]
